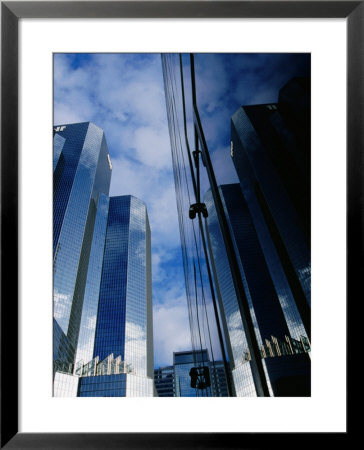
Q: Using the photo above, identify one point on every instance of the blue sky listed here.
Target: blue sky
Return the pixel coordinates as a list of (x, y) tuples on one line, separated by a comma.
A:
[(124, 95)]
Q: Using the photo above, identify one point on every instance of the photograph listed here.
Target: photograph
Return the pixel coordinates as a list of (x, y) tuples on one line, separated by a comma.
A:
[(171, 174), (181, 225)]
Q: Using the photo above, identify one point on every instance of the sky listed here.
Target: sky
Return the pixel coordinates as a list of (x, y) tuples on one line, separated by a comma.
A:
[(124, 95)]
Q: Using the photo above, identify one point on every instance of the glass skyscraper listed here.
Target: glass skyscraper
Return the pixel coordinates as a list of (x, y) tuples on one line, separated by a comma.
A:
[(165, 382), (277, 323), (270, 149), (103, 336), (124, 325), (268, 216), (82, 173)]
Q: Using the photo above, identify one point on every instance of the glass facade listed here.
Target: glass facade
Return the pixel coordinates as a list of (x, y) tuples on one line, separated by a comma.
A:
[(81, 173), (63, 350), (110, 328), (111, 377), (256, 270), (269, 317), (86, 337), (183, 362), (58, 142), (65, 385), (199, 289), (124, 322), (164, 381), (108, 385), (230, 312), (272, 161), (103, 336), (119, 385), (214, 372), (218, 379)]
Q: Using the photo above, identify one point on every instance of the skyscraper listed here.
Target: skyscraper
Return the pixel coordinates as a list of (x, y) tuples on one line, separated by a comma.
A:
[(124, 319), (82, 173), (277, 323), (103, 337), (270, 149), (165, 382), (268, 217)]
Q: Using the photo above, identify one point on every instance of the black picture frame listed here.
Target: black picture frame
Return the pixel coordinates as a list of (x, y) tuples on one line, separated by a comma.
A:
[(11, 12)]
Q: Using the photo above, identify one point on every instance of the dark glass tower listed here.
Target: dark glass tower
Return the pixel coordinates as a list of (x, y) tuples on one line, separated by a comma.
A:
[(276, 320), (270, 149), (164, 381)]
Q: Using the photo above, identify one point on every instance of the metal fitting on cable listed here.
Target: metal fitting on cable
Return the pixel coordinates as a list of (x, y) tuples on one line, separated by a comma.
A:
[(198, 208), (196, 154)]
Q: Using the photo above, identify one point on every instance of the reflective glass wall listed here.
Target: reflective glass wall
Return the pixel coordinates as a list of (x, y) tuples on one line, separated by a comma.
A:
[(271, 317), (81, 174), (204, 328), (177, 380), (272, 164), (86, 337), (248, 252), (103, 334), (124, 320)]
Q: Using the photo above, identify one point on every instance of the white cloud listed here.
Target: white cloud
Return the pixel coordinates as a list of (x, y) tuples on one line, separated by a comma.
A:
[(156, 189), (152, 147), (171, 332), (160, 259), (66, 114), (91, 322)]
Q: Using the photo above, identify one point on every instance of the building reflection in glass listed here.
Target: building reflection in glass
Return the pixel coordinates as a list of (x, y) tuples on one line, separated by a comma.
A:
[(258, 230)]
